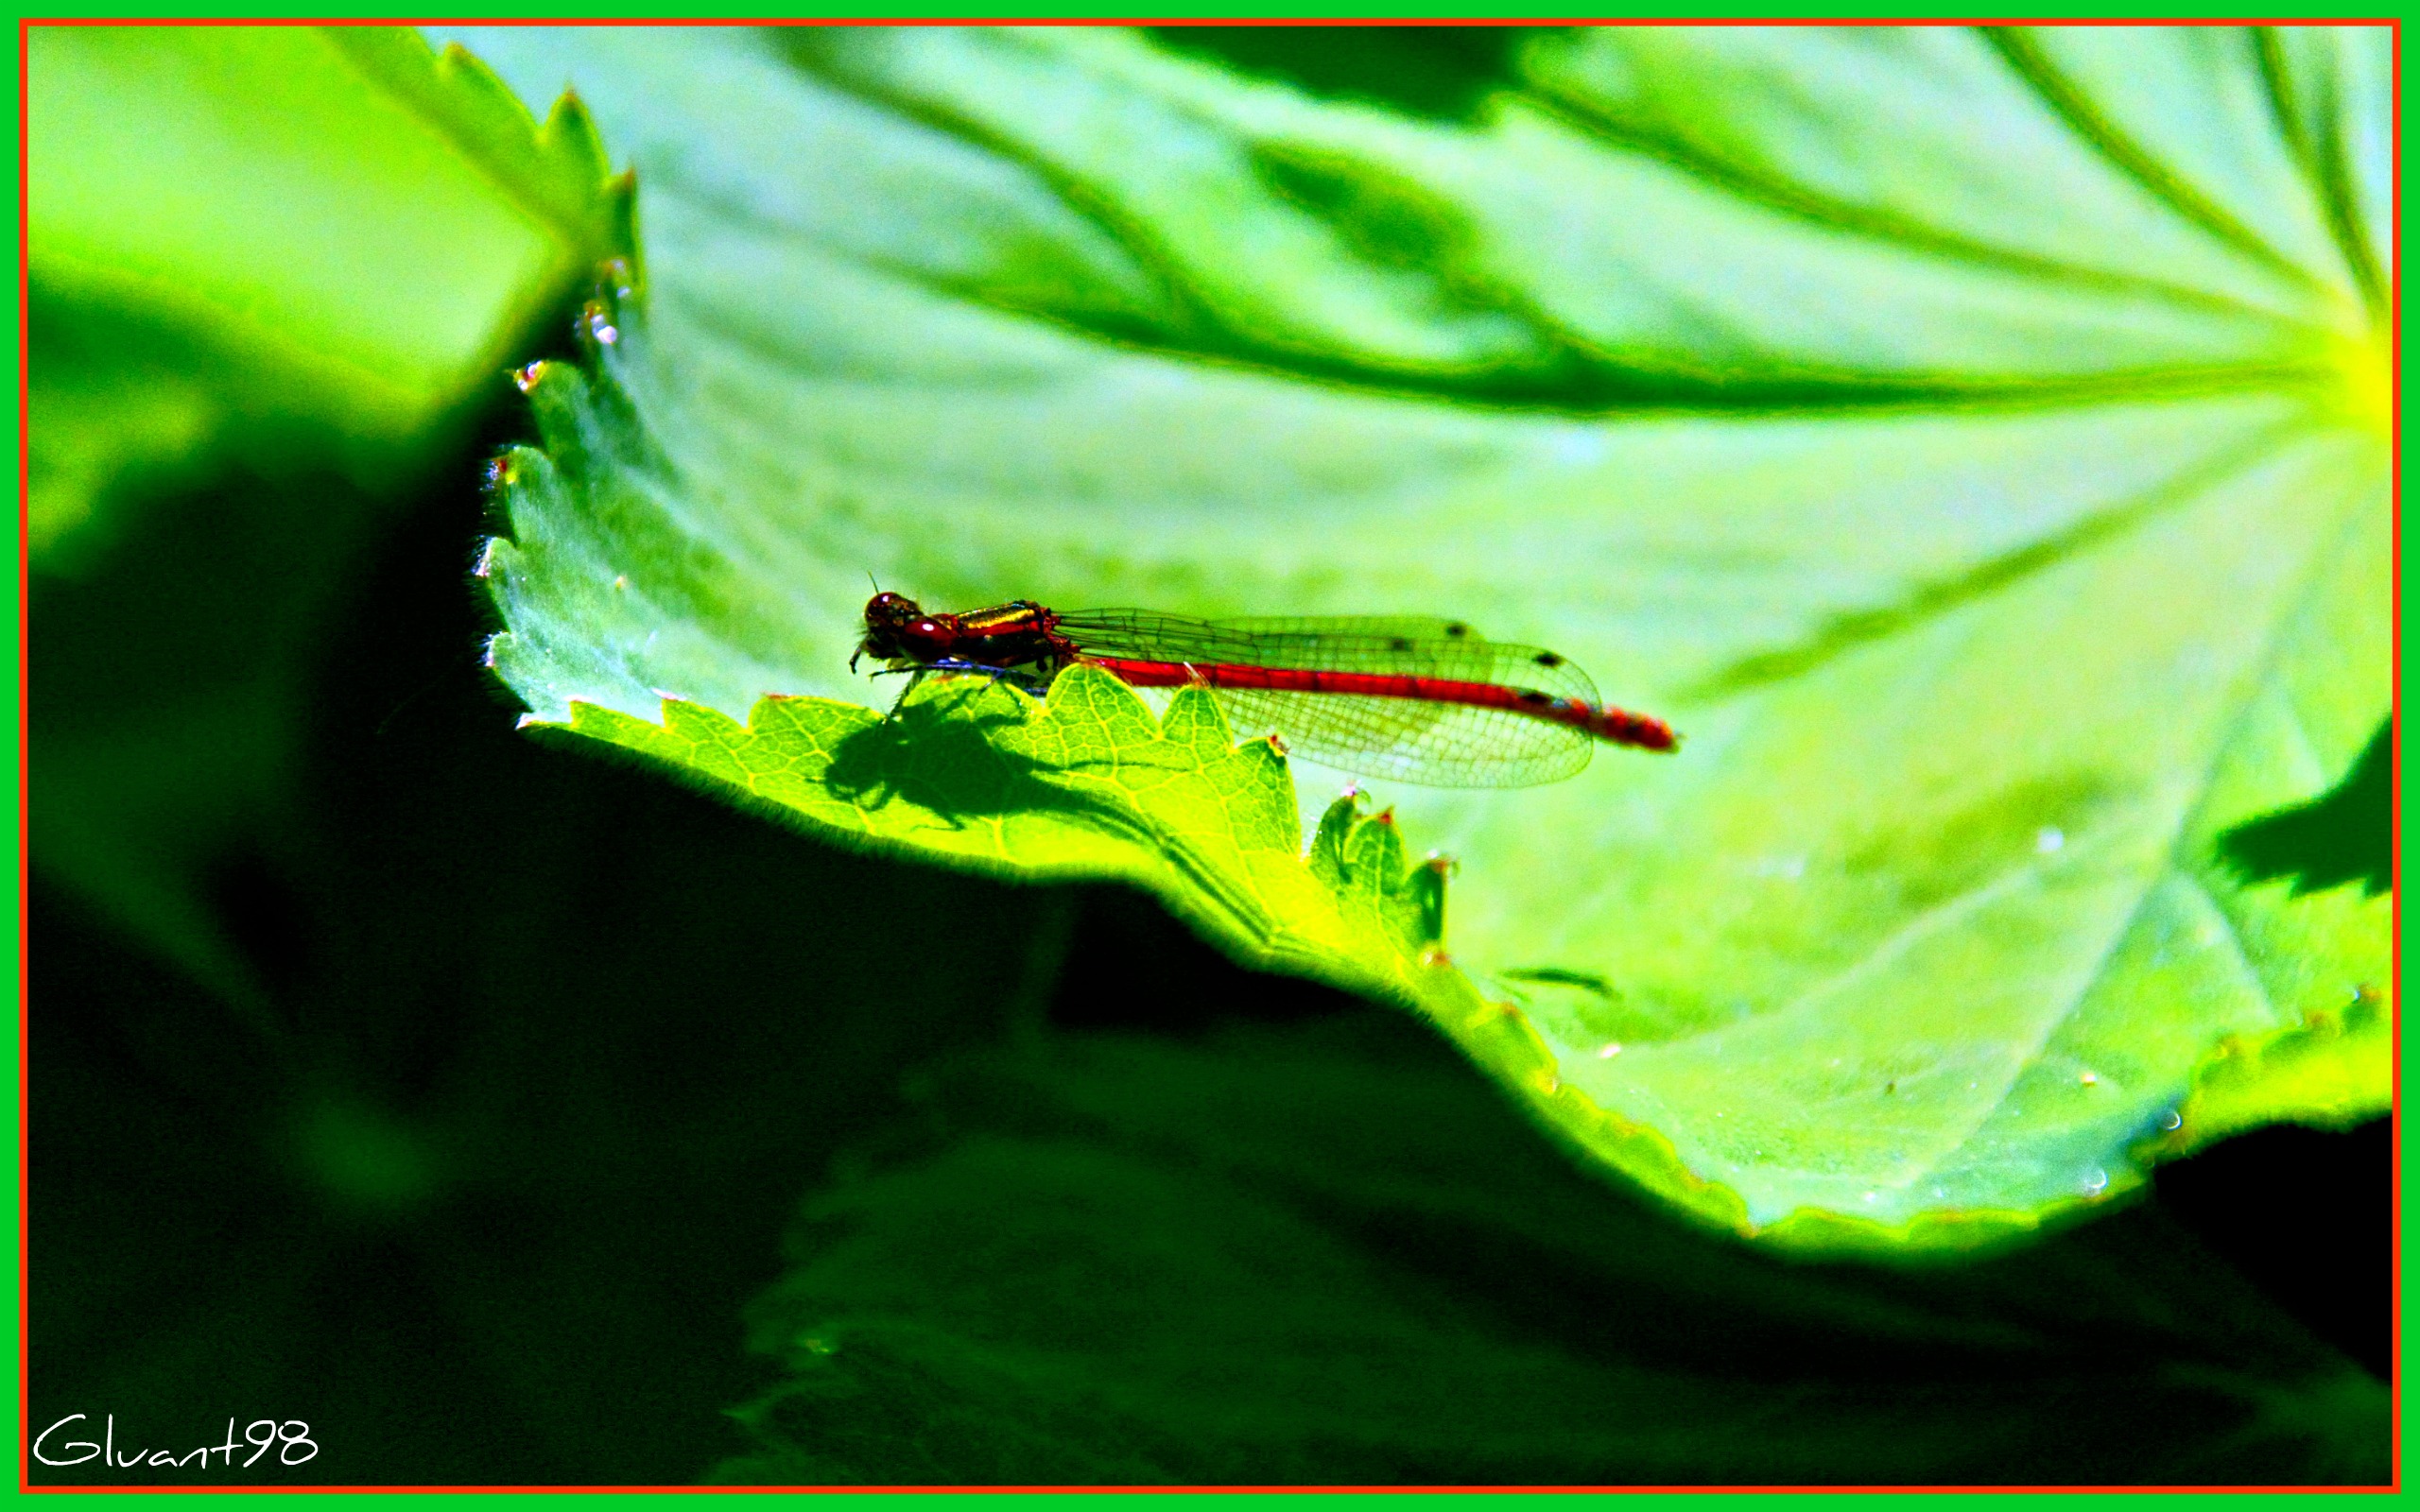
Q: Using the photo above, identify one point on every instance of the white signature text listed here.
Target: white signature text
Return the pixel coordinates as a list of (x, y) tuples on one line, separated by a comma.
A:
[(266, 1434)]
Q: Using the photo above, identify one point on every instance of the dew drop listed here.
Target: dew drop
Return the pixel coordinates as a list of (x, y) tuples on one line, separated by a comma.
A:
[(2095, 1181), (1612, 1048), (2089, 1078), (2171, 1120), (2049, 838), (621, 581), (527, 378)]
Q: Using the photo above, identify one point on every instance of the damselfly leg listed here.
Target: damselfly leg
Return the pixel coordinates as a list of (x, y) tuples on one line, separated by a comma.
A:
[(1023, 682)]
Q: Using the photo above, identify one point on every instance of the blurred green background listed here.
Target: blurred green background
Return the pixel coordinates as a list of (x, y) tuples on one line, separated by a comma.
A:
[(457, 1092)]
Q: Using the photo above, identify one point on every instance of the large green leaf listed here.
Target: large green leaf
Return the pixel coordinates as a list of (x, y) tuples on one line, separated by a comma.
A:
[(1974, 441)]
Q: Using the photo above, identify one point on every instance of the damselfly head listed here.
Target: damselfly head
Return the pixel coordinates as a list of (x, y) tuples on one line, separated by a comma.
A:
[(892, 609), (897, 628), (886, 615)]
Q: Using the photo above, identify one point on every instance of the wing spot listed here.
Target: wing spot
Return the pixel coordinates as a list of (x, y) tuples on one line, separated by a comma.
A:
[(1458, 631), (1547, 659)]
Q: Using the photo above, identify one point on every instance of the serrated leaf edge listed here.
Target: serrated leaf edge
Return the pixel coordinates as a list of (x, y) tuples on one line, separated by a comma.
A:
[(557, 168)]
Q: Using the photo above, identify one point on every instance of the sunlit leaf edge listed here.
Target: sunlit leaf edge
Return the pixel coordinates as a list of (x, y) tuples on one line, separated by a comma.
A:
[(1358, 862), (2330, 1071)]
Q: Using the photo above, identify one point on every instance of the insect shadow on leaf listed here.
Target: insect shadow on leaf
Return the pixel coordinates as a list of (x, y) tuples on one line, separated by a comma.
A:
[(944, 754), (2346, 834), (931, 753)]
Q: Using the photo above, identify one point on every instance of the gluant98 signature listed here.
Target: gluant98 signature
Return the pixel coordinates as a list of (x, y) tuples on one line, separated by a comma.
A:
[(263, 1435)]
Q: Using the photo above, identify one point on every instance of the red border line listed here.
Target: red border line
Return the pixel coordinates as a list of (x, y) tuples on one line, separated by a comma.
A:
[(2389, 22), (1745, 1488), (25, 599), (2394, 740), (25, 750)]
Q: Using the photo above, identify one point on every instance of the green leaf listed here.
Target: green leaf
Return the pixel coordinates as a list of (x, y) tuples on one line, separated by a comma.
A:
[(1974, 441), (1317, 1255), (309, 244), (1094, 786), (275, 274)]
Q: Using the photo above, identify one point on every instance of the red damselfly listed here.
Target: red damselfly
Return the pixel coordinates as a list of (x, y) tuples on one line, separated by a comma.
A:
[(1427, 701)]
